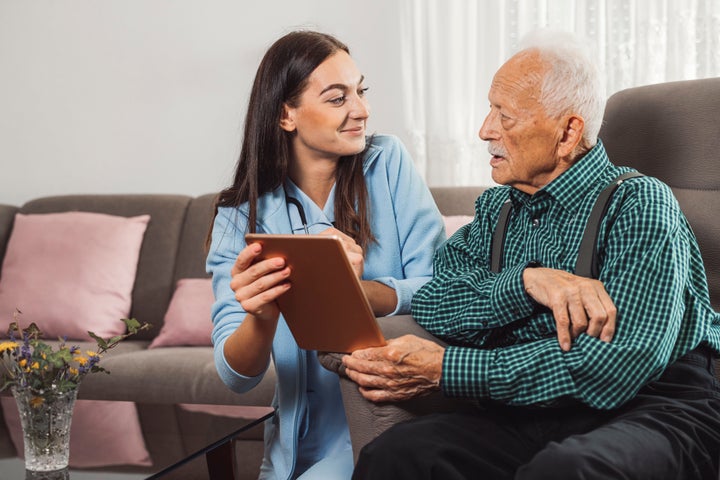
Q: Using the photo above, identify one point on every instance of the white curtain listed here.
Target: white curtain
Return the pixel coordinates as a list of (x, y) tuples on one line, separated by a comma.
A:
[(451, 49)]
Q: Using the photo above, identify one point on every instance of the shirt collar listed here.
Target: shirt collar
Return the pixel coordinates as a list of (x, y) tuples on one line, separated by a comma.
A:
[(317, 219), (576, 182)]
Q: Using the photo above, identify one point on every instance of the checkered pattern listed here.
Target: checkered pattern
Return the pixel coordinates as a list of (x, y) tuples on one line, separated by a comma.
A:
[(503, 346)]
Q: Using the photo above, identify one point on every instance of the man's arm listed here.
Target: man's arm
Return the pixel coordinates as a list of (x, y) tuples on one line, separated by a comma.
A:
[(409, 366), (579, 305)]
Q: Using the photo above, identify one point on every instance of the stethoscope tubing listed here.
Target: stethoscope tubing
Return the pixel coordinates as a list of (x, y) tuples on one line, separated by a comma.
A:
[(301, 211)]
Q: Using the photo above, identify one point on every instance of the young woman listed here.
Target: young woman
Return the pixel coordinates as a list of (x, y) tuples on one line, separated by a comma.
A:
[(306, 167)]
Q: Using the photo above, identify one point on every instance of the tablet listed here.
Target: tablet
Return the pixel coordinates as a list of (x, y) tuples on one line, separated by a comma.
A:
[(325, 308)]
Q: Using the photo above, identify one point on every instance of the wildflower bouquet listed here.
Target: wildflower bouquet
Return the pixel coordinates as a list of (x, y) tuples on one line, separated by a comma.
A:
[(30, 363)]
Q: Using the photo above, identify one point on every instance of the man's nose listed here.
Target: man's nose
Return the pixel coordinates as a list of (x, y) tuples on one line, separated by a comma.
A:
[(487, 131)]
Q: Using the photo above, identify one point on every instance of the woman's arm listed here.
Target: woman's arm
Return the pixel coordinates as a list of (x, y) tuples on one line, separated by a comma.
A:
[(257, 287), (244, 313), (382, 298)]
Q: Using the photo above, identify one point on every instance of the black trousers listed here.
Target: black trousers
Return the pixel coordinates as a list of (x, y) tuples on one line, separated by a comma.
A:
[(670, 430)]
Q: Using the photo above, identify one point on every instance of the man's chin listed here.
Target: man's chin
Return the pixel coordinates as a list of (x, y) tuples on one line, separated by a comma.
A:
[(498, 174)]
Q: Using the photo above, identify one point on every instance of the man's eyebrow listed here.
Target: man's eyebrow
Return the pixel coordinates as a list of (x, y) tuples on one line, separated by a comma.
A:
[(340, 86)]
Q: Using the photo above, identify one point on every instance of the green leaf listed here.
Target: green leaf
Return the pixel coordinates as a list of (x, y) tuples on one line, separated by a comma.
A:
[(13, 328), (100, 341), (132, 325), (33, 331)]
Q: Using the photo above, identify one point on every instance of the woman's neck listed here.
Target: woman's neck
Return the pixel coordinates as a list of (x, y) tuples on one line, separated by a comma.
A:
[(315, 178)]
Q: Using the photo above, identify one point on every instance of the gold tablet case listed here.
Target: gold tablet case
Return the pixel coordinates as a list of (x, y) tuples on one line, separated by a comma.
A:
[(326, 308)]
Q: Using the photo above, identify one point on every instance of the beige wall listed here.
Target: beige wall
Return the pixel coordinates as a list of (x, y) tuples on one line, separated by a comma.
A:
[(123, 96)]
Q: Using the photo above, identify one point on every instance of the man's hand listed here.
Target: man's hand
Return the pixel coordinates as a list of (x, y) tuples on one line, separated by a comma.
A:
[(578, 304), (405, 368)]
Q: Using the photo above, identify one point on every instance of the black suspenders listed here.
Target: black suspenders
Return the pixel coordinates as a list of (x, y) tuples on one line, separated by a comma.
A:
[(587, 263)]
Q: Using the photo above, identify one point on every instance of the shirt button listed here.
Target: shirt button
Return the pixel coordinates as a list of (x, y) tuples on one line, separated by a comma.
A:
[(535, 222)]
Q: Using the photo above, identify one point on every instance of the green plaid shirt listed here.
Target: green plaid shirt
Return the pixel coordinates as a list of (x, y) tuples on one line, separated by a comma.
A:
[(503, 346)]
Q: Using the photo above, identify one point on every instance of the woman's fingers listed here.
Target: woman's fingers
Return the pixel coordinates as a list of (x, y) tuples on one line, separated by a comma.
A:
[(353, 251), (258, 283)]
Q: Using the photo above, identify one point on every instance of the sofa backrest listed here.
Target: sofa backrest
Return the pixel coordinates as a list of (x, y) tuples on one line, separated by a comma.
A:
[(670, 131), (190, 261), (456, 200)]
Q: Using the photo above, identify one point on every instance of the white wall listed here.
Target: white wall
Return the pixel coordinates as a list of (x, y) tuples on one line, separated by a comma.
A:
[(148, 96)]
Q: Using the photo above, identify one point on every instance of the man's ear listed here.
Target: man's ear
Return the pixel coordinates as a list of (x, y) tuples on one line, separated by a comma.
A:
[(287, 121), (572, 135)]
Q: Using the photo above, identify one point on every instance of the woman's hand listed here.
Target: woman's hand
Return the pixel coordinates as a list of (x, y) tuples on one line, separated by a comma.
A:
[(258, 285), (352, 250), (382, 298)]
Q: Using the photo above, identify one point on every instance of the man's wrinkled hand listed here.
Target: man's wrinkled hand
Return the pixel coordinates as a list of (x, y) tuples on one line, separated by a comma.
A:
[(405, 368), (579, 304)]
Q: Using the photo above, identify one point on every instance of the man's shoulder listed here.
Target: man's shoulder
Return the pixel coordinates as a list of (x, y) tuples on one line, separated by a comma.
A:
[(645, 201), (645, 190)]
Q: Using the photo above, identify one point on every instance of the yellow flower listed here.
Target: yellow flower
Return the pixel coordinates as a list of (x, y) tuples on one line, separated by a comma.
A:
[(6, 346), (73, 371), (90, 353), (37, 401), (80, 359), (23, 362), (35, 365)]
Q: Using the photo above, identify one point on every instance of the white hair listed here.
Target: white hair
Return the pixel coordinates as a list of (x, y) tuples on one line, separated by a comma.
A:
[(572, 84)]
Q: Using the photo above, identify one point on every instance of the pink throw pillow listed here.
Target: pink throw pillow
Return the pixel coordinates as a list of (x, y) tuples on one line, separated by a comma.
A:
[(71, 272), (102, 433), (187, 320), (454, 222)]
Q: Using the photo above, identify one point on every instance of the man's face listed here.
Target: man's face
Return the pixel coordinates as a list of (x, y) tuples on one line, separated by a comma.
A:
[(522, 139)]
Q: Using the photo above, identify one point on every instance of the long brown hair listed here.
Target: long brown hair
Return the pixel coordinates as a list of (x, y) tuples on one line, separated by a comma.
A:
[(266, 148)]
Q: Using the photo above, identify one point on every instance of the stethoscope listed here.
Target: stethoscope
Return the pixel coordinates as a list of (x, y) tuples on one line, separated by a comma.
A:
[(300, 210)]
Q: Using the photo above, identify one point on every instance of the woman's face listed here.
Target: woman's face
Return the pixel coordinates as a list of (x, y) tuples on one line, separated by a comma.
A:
[(330, 116)]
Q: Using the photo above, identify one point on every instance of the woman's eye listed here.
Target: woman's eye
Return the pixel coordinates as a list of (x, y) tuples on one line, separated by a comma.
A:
[(337, 100), (361, 92)]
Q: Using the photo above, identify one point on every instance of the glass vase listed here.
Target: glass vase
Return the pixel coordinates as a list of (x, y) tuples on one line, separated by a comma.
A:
[(45, 417)]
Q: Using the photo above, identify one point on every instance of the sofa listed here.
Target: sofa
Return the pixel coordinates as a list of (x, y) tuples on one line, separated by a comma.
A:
[(179, 398), (181, 404), (669, 131)]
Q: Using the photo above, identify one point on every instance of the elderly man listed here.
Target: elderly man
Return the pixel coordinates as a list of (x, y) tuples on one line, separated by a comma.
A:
[(574, 377)]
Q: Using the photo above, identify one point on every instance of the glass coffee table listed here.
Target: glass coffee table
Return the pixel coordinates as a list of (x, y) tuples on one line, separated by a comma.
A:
[(219, 457)]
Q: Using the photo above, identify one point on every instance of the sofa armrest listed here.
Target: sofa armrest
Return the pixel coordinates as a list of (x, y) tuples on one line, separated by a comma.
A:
[(366, 419)]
